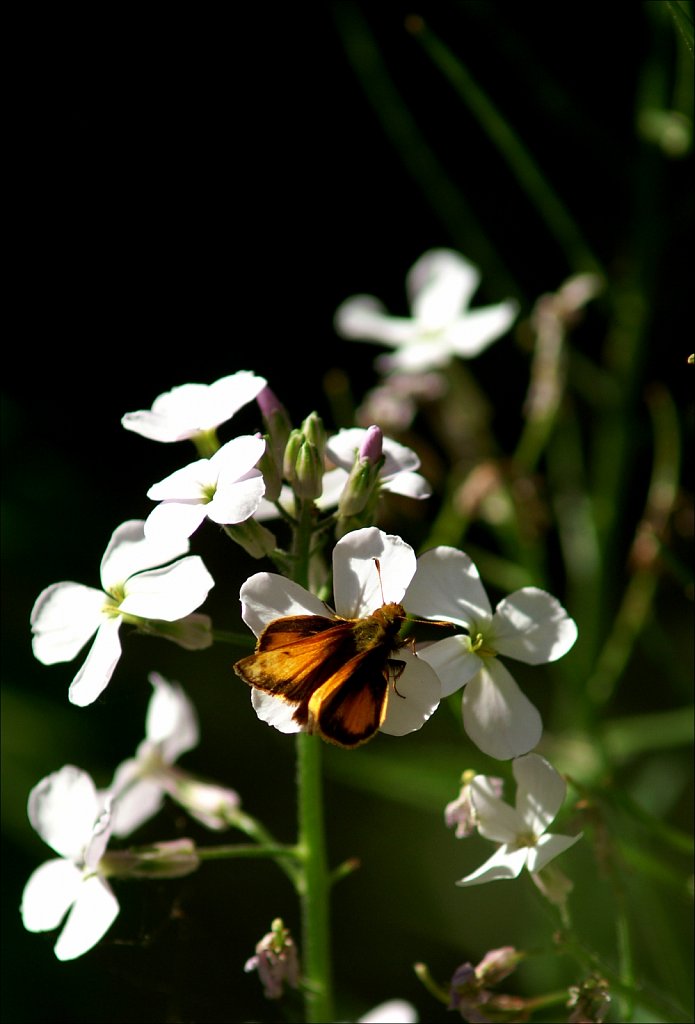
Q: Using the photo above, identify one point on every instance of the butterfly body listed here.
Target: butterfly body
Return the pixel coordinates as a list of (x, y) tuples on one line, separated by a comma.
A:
[(338, 672)]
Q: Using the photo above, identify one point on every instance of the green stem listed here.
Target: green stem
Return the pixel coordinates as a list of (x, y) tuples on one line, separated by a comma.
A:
[(315, 882)]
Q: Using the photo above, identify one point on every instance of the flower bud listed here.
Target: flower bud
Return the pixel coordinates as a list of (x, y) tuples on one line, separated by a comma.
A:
[(253, 537), (277, 422), (315, 432), (271, 469), (171, 859), (193, 632), (276, 960), (214, 806)]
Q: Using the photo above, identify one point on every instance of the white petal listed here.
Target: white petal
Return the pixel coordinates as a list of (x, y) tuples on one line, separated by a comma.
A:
[(92, 914), (98, 667), (63, 619), (267, 596), (432, 352), (447, 586), (237, 457), (497, 716), (169, 593), (540, 791), (129, 551), (393, 1011), (171, 719), (175, 520), (191, 408), (63, 808), (357, 586), (453, 662), (475, 331), (532, 626), (186, 484), (410, 485), (413, 697), (135, 801), (504, 863), (49, 893), (333, 482), (440, 285), (496, 820), (364, 318), (237, 501), (547, 848), (274, 711)]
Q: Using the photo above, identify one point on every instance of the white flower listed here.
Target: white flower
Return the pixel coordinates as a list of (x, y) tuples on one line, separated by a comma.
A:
[(67, 812), (225, 488), (193, 409), (521, 830), (140, 783), (357, 589), (398, 474), (529, 625), (393, 1011), (67, 614), (440, 286)]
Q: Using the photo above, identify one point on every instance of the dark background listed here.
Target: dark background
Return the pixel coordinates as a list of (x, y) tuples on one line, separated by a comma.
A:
[(194, 193)]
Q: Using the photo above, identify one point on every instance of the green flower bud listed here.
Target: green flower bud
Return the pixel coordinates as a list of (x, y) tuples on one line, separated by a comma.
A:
[(253, 537)]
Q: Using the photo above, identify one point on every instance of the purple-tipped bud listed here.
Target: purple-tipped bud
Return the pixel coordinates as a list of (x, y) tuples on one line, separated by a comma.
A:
[(372, 447), (269, 403), (277, 422)]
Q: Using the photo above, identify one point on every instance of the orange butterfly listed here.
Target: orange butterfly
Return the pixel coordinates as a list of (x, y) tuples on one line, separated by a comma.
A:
[(338, 672)]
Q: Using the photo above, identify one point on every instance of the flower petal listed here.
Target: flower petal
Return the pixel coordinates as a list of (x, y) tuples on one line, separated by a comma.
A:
[(48, 895), (266, 596), (447, 586), (540, 791), (495, 819), (275, 711), (169, 593), (497, 716), (547, 848), (171, 720), (98, 667), (237, 457), (413, 697), (237, 501), (129, 551), (453, 662), (475, 331), (64, 617), (393, 1011), (504, 863), (440, 285), (63, 808), (186, 484), (407, 483), (364, 318), (191, 408), (532, 626), (135, 799), (92, 914), (175, 520), (334, 481), (357, 586), (430, 353)]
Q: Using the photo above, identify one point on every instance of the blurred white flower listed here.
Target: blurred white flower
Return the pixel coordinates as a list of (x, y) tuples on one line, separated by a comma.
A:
[(66, 615), (529, 625), (226, 488), (393, 1011), (193, 409), (141, 783), (440, 286), (520, 830), (69, 815)]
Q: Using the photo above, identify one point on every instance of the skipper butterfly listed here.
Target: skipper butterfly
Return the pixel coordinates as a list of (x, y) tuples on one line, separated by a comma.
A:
[(339, 673)]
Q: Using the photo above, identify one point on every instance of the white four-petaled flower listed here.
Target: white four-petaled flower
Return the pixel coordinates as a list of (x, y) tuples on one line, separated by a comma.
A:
[(225, 488), (357, 590), (193, 409), (521, 830), (138, 587), (69, 815), (141, 783), (440, 286), (529, 625)]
